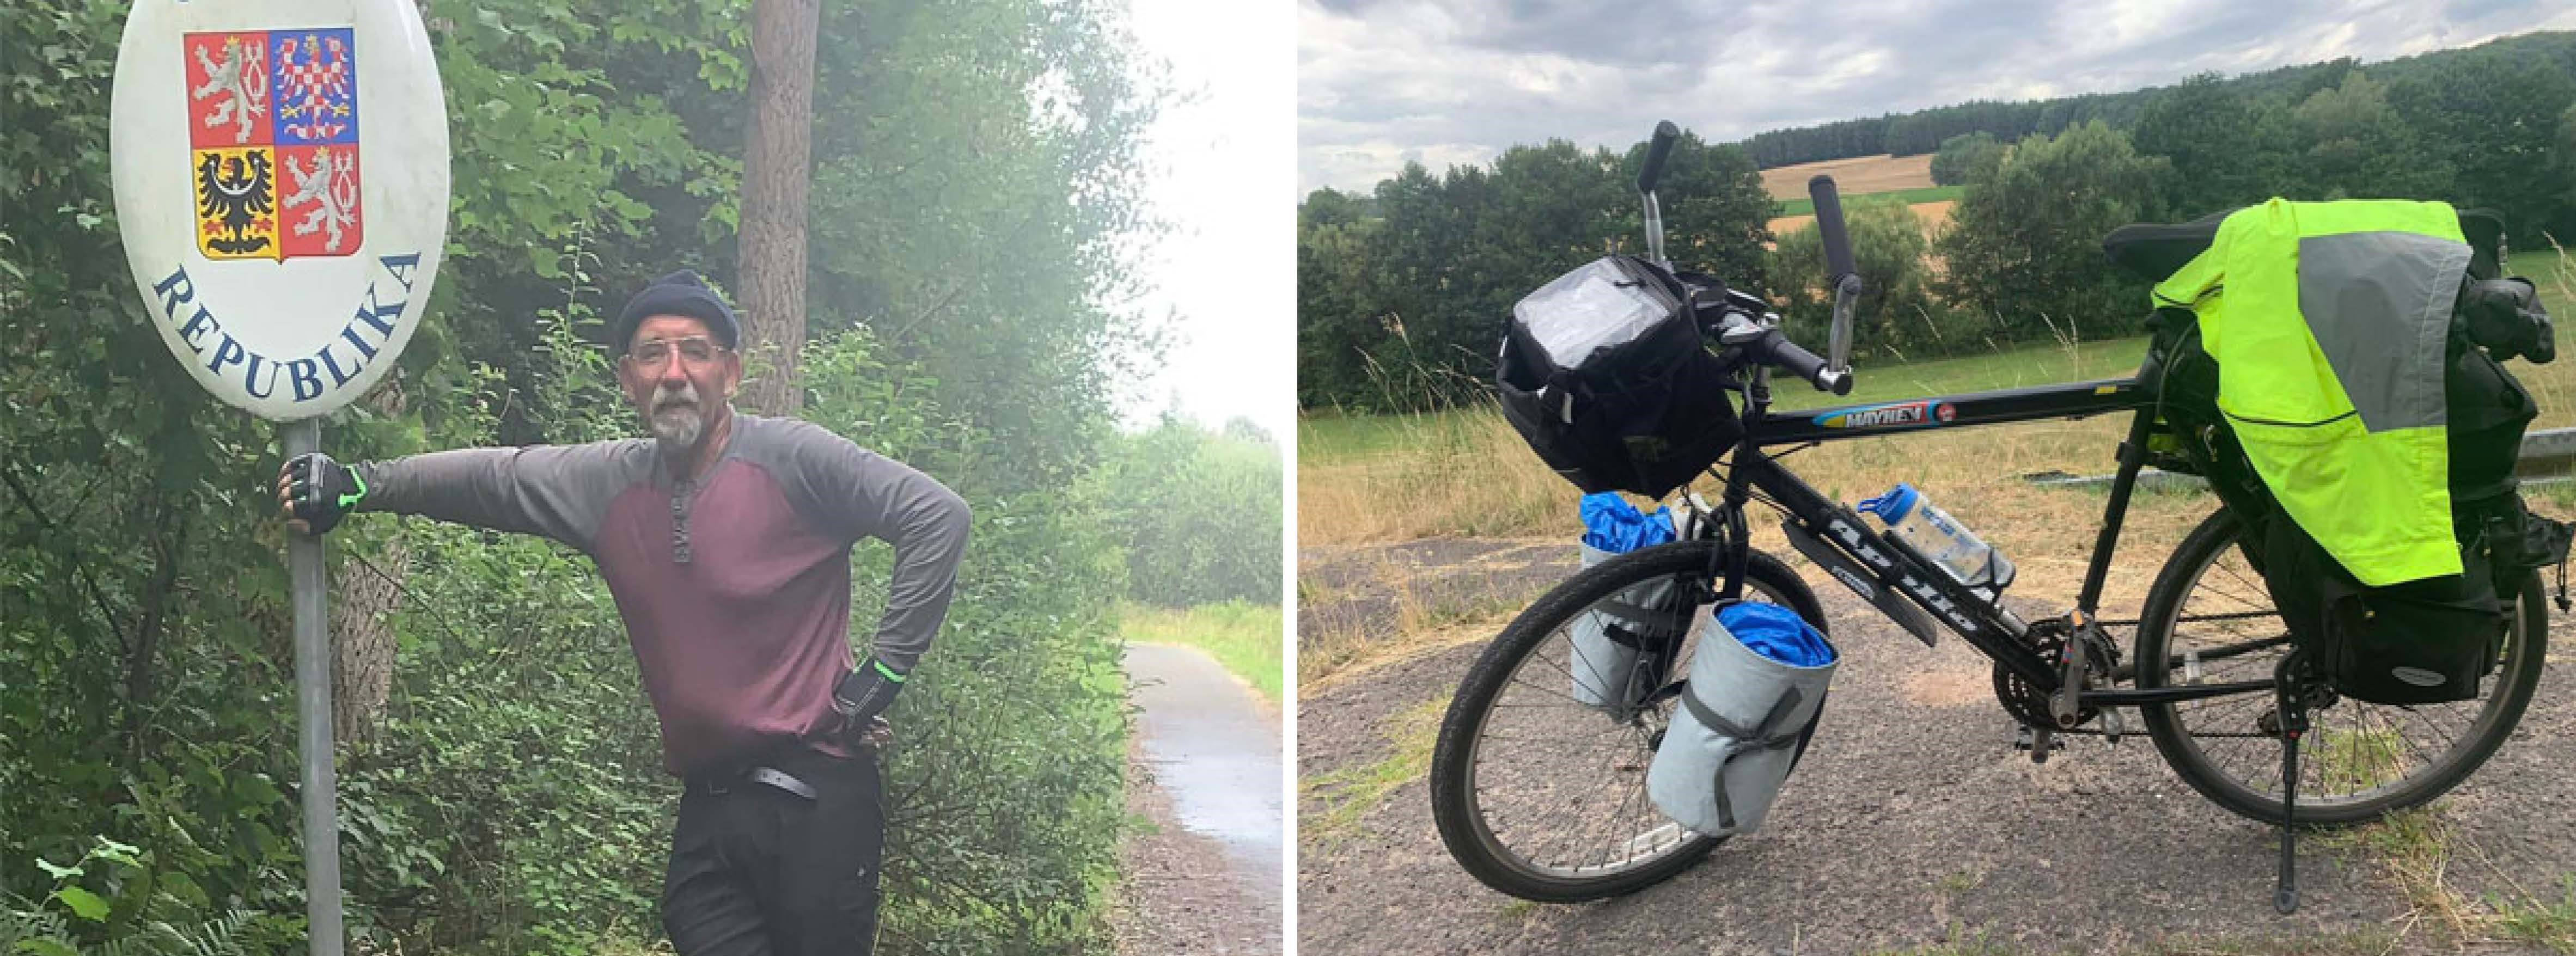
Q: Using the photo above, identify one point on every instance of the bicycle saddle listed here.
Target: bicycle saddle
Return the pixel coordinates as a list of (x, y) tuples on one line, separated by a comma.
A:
[(2152, 251)]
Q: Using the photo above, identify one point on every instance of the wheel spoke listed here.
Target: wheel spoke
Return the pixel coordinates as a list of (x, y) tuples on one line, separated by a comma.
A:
[(1548, 795), (2359, 759)]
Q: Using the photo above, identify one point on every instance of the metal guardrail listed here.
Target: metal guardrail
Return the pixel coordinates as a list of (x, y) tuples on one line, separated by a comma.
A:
[(2540, 449)]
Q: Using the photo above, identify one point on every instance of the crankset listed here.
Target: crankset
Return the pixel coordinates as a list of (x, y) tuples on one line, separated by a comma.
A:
[(2085, 657)]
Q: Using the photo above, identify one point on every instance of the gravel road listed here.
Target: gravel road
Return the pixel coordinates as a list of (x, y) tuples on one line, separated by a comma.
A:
[(1913, 824)]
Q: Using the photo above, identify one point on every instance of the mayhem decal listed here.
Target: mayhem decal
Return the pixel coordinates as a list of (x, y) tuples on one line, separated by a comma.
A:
[(1914, 414)]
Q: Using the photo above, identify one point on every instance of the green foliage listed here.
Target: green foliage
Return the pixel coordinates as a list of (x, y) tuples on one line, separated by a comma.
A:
[(2352, 145), (1201, 514), (514, 800), (2224, 152), (1923, 131), (1403, 304), (1897, 313), (2492, 116), (2025, 248), (1967, 157)]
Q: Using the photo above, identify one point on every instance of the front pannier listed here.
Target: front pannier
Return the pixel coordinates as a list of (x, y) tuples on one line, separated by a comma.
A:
[(1756, 684), (1604, 374)]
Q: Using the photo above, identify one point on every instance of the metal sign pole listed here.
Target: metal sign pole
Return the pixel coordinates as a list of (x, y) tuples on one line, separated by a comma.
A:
[(313, 714)]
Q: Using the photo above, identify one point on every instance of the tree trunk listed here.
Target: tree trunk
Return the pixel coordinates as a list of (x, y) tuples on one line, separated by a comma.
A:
[(776, 176)]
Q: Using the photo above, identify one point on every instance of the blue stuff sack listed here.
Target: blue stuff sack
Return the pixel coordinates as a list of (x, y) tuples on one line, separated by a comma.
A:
[(1608, 634), (1613, 525), (1754, 689)]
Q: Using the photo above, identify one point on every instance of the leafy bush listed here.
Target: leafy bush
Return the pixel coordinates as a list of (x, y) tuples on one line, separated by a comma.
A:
[(1965, 158), (1897, 313), (1200, 513), (2026, 247)]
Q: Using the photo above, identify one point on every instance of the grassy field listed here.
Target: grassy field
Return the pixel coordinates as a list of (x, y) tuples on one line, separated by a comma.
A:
[(1243, 637), (1855, 176), (1803, 206), (1465, 472)]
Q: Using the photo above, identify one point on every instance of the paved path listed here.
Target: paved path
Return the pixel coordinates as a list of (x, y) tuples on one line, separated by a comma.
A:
[(1208, 879)]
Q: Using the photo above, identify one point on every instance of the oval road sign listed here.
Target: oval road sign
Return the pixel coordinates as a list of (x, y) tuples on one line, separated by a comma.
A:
[(281, 187)]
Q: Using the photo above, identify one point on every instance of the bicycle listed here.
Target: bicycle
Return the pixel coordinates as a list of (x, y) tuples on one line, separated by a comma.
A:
[(1541, 796)]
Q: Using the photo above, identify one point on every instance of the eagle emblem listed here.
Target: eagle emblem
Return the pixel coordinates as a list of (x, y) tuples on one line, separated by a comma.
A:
[(273, 131)]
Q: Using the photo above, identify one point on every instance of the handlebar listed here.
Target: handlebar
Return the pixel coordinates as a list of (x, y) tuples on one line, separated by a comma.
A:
[(1729, 314), (1657, 150), (1805, 364)]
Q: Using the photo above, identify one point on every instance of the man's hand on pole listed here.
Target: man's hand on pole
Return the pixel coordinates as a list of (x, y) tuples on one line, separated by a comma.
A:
[(314, 492)]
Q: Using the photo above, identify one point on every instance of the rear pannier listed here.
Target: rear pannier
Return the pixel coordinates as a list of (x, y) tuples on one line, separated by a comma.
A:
[(1604, 373)]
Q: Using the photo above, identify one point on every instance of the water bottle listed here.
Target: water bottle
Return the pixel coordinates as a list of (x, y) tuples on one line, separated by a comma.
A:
[(1934, 536)]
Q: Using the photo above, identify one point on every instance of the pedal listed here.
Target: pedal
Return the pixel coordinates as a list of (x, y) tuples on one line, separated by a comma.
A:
[(2112, 727)]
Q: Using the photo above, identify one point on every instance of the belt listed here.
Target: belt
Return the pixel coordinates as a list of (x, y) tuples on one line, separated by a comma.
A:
[(771, 776)]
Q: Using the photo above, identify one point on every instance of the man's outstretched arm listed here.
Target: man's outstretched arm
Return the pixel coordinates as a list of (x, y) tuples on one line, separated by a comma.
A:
[(557, 491)]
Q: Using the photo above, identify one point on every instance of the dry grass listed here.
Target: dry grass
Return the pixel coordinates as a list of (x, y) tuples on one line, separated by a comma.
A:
[(1427, 619), (2418, 850), (1462, 473), (1338, 799), (1857, 176), (1478, 479), (1933, 214)]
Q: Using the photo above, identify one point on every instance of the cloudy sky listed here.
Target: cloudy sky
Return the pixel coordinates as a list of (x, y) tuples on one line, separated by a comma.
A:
[(1443, 82), (1223, 280)]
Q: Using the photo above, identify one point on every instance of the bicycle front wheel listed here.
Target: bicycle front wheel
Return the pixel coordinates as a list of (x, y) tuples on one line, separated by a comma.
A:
[(1542, 795), (2209, 612)]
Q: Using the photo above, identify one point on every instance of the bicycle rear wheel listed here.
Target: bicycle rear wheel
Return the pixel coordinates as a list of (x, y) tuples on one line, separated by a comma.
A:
[(2359, 760), (1544, 798)]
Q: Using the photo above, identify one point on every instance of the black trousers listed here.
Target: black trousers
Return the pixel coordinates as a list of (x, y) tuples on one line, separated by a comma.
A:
[(759, 871)]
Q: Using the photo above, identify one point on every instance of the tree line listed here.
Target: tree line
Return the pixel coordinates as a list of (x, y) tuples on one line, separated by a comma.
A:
[(1923, 131), (1403, 293), (500, 780)]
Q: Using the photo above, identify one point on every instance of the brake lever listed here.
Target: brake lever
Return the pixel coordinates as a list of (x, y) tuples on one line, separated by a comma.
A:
[(1735, 327)]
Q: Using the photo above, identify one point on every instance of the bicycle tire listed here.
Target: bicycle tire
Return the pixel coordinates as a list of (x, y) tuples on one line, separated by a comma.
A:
[(2359, 761), (1460, 802)]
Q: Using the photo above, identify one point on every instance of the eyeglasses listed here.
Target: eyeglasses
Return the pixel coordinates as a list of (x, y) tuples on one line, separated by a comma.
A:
[(695, 350)]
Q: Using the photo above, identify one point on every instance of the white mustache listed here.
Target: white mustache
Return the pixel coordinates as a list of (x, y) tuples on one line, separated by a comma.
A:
[(666, 398)]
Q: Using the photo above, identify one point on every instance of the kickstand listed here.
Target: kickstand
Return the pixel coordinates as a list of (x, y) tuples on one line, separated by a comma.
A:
[(2293, 710)]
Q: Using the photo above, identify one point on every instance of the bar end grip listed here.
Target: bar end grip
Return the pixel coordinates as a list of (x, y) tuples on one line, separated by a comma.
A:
[(1829, 223), (1658, 149)]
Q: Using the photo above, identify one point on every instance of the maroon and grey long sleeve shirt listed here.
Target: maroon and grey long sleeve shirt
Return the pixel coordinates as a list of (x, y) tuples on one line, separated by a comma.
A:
[(735, 588)]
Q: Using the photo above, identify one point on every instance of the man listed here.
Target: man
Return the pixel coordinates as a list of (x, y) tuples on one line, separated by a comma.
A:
[(725, 539)]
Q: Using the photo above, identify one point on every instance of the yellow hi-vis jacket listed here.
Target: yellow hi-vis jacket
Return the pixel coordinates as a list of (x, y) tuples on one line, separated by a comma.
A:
[(2328, 322)]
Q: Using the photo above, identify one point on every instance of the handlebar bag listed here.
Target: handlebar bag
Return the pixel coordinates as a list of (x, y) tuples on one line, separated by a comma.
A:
[(1755, 692), (1604, 374)]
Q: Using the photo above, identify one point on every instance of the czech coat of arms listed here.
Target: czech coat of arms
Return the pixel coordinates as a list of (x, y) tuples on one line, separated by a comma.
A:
[(273, 131)]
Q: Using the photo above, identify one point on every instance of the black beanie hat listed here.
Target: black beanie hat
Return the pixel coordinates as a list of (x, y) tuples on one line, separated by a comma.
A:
[(680, 293)]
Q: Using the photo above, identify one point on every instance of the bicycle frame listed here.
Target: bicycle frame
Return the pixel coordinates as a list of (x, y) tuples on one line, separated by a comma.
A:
[(1977, 619)]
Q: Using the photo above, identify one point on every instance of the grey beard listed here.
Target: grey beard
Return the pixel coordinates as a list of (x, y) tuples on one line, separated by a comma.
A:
[(676, 428)]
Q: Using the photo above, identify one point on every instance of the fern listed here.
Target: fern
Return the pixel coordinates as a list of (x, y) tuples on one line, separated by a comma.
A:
[(214, 937), (30, 929)]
